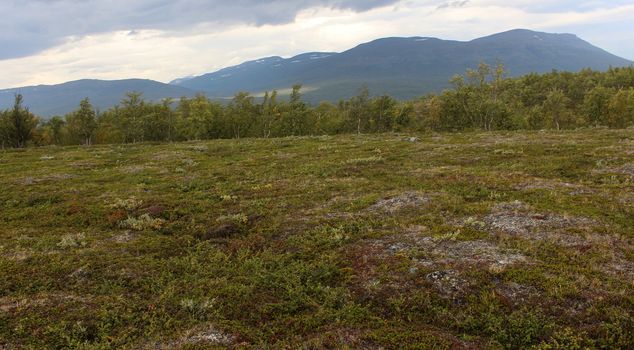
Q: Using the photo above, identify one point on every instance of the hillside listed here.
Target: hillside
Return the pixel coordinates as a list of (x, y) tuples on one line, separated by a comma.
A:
[(49, 100), (405, 67), (453, 241)]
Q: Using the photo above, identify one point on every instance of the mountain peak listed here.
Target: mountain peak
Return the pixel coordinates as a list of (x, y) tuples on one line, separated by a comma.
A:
[(406, 67), (530, 35)]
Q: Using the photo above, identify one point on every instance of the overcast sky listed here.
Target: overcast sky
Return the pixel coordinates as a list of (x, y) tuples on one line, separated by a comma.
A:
[(52, 41)]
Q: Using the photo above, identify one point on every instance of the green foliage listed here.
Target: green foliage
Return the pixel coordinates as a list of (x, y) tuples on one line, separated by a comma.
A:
[(621, 109), (555, 109), (17, 126), (295, 117), (482, 99), (81, 124)]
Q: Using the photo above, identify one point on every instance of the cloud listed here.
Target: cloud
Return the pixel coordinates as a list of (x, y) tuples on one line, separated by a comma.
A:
[(30, 26)]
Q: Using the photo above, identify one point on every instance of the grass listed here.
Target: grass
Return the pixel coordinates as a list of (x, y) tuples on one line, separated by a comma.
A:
[(288, 243)]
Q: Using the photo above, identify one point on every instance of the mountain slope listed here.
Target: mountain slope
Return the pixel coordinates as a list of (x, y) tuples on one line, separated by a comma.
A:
[(49, 100), (405, 67)]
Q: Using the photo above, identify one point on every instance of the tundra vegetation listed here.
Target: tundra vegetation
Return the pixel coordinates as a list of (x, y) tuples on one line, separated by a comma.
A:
[(497, 239), (482, 99), (498, 214)]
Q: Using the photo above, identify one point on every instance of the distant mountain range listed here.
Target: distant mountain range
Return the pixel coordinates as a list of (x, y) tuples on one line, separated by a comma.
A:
[(401, 67), (50, 100)]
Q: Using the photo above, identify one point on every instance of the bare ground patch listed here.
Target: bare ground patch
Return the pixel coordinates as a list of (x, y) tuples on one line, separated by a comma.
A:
[(515, 293), (167, 155), (434, 252), (209, 336), (394, 204), (448, 259), (12, 304), (84, 165), (18, 255), (136, 169), (627, 169), (518, 219), (44, 179), (125, 237), (553, 185)]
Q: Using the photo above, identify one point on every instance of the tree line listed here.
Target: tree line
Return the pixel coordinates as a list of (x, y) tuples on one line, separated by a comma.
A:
[(482, 99)]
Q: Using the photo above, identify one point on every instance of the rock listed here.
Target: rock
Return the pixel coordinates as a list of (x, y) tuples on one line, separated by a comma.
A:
[(413, 139)]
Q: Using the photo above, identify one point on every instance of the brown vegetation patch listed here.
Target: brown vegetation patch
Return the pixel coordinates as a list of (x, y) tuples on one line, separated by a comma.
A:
[(155, 210), (115, 217), (220, 231), (229, 227)]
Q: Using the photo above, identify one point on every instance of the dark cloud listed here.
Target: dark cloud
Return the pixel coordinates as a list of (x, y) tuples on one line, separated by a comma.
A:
[(29, 26)]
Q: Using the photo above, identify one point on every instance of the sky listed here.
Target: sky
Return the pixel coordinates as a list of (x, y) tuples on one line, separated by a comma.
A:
[(53, 41)]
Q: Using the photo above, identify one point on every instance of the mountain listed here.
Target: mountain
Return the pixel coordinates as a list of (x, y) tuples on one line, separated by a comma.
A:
[(404, 67), (49, 100), (401, 67)]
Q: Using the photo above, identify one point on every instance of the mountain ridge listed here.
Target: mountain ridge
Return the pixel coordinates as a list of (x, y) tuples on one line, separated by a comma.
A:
[(403, 67), (407, 66), (59, 99)]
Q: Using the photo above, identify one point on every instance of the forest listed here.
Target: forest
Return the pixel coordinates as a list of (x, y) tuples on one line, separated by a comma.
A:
[(484, 98)]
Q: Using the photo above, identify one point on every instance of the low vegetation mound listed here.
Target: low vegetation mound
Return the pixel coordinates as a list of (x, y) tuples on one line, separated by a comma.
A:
[(451, 241)]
